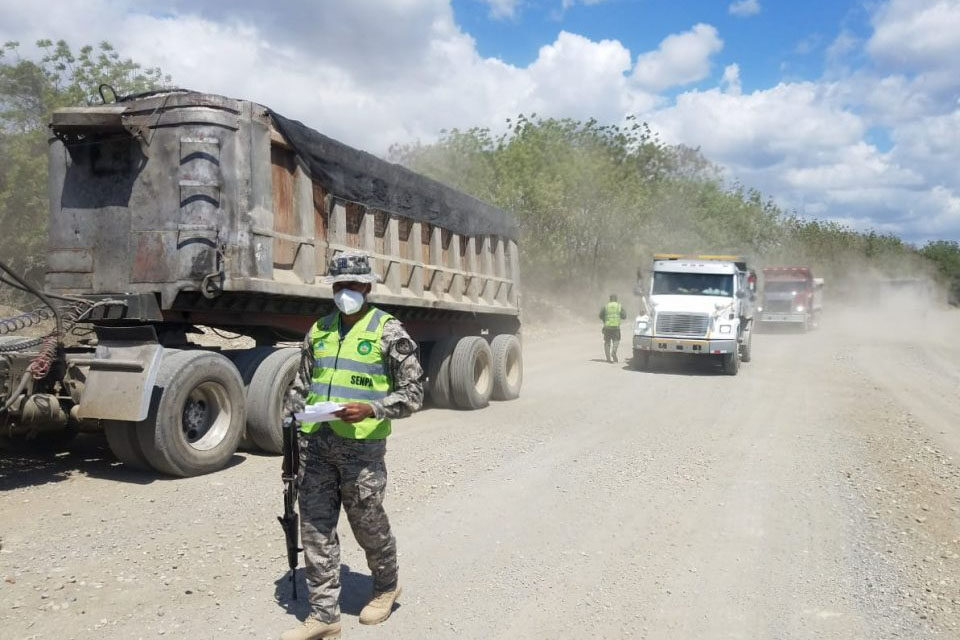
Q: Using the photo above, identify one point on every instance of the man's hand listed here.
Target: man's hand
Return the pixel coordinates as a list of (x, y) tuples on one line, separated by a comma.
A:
[(355, 412)]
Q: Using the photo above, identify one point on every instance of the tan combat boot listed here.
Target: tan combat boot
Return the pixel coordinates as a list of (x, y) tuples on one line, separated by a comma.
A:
[(313, 629), (380, 607)]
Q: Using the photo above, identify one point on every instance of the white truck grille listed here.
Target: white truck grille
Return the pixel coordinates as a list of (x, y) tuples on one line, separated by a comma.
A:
[(683, 324)]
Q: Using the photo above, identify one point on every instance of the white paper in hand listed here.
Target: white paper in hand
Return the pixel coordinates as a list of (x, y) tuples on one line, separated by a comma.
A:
[(320, 412)]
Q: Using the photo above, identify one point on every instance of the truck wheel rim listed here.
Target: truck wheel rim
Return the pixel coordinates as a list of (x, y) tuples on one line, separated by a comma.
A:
[(206, 416)]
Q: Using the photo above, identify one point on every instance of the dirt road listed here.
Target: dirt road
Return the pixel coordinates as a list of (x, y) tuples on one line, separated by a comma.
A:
[(815, 495)]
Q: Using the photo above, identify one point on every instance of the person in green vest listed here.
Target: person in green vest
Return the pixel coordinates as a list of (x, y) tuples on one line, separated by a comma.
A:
[(362, 358), (612, 314)]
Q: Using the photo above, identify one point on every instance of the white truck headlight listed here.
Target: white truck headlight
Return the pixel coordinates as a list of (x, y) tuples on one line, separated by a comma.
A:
[(799, 308), (726, 328), (642, 325)]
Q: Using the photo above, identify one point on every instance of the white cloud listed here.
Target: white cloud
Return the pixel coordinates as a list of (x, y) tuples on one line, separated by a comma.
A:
[(369, 82), (796, 122), (933, 143), (853, 169), (731, 79), (745, 8), (915, 35), (803, 144), (680, 59), (569, 3), (509, 9), (503, 8), (915, 47), (581, 78), (843, 44)]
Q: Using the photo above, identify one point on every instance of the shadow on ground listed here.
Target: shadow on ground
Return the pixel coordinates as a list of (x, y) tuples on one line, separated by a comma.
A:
[(355, 591), (88, 455), (682, 365)]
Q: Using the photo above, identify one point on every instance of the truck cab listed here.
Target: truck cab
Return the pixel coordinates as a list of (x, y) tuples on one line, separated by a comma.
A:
[(699, 305), (791, 296)]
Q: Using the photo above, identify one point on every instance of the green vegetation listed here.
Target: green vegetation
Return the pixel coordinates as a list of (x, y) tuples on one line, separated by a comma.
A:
[(594, 200), (945, 254), (29, 92)]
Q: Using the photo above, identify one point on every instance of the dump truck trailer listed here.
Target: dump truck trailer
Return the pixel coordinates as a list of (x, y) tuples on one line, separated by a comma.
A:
[(177, 209)]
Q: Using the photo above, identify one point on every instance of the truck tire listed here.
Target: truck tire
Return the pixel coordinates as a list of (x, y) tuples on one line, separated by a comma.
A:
[(471, 373), (197, 414), (438, 372), (123, 442), (265, 394), (507, 367), (731, 363), (746, 350), (640, 361), (246, 361)]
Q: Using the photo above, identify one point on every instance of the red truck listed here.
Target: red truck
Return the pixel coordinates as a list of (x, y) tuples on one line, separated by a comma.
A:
[(791, 295)]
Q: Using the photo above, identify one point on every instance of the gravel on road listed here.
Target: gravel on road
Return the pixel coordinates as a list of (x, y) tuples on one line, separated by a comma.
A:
[(814, 495)]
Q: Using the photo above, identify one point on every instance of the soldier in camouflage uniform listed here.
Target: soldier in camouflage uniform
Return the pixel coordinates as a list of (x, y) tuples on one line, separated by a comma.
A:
[(342, 461)]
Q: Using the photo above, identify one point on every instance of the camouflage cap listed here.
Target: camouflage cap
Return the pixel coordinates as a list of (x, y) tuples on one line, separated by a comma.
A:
[(350, 266)]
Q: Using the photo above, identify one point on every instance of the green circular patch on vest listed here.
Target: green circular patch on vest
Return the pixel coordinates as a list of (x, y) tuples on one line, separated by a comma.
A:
[(365, 347)]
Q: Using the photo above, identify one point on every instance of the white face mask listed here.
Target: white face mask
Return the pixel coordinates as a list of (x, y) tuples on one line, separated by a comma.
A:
[(348, 301)]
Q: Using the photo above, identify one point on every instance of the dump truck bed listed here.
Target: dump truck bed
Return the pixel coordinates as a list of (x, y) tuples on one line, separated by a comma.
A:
[(197, 208)]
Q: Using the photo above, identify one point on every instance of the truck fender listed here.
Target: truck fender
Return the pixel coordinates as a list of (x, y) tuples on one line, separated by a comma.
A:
[(121, 374)]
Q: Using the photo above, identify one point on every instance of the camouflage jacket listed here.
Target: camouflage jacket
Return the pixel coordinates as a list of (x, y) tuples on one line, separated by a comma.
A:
[(406, 375)]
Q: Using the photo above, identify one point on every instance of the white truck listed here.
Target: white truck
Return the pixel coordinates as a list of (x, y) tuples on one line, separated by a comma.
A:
[(699, 305)]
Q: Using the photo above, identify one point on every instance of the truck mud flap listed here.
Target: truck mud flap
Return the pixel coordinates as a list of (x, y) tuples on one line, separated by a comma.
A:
[(121, 374)]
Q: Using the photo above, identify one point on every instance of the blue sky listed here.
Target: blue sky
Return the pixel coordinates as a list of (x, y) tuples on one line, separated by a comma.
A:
[(784, 39), (845, 110)]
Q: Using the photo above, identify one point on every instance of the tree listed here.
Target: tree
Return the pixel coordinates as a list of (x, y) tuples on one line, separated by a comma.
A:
[(595, 201), (945, 255), (30, 90)]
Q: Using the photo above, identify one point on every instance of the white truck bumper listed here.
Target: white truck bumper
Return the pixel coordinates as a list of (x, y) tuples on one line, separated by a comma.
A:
[(684, 345)]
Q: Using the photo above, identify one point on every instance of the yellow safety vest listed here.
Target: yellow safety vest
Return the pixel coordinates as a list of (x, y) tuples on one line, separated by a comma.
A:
[(611, 314), (349, 370)]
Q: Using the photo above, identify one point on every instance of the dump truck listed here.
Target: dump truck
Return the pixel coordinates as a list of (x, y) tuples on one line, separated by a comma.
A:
[(791, 297), (175, 210), (699, 305)]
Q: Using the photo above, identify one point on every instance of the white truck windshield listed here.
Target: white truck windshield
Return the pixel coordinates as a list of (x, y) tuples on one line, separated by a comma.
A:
[(692, 284)]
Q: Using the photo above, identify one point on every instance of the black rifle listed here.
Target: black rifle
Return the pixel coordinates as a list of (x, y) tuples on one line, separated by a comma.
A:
[(289, 520)]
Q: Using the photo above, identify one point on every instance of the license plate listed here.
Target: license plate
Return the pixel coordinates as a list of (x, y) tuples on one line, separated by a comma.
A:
[(681, 345)]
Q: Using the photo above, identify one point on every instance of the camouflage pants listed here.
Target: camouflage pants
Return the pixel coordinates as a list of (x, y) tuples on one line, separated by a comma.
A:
[(335, 471), (611, 341)]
